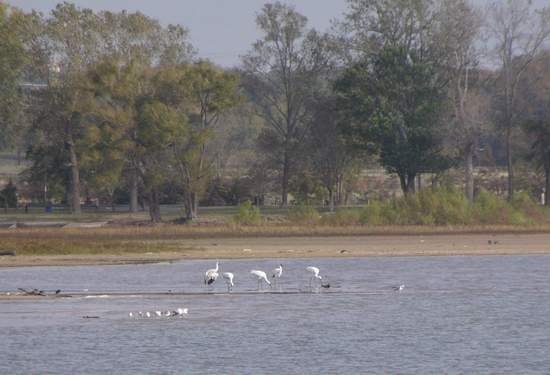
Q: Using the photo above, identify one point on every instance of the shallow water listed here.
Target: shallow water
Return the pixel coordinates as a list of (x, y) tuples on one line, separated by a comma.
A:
[(456, 315)]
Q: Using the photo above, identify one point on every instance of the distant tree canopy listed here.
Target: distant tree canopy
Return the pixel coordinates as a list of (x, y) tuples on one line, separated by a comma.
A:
[(13, 58), (392, 106), (116, 106)]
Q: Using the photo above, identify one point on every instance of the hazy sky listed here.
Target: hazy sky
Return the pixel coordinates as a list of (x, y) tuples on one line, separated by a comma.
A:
[(221, 30)]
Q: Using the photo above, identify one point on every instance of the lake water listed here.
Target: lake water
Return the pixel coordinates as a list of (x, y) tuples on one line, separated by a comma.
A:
[(456, 315)]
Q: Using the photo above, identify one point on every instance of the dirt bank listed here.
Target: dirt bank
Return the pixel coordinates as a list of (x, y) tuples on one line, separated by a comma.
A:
[(306, 247)]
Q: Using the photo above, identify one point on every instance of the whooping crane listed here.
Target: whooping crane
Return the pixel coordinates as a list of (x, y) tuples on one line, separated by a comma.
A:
[(277, 272), (211, 275), (261, 277), (315, 274), (228, 277)]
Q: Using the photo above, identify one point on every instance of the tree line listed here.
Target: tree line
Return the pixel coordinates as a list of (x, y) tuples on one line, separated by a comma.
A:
[(103, 102)]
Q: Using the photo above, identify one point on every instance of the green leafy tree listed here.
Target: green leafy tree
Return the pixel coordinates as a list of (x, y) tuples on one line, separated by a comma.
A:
[(159, 129), (118, 90), (8, 195), (203, 93), (391, 105), (13, 58)]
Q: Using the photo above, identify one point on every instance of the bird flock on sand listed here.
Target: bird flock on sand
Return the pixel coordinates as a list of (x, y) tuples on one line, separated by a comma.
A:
[(211, 275), (179, 312)]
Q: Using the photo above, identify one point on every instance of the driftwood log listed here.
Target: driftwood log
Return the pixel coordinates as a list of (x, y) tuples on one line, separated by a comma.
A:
[(10, 253), (34, 292)]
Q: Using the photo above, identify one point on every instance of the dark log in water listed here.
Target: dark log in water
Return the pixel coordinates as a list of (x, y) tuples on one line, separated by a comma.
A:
[(10, 253)]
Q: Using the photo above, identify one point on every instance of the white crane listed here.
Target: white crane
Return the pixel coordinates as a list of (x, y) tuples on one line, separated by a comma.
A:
[(211, 275), (315, 274), (261, 277), (158, 313), (148, 314), (277, 272), (228, 277)]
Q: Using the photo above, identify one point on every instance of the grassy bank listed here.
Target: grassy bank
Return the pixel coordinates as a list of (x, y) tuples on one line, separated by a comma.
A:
[(172, 238), (426, 213)]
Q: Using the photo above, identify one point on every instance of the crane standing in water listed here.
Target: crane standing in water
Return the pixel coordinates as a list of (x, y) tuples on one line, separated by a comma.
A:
[(261, 275), (211, 275)]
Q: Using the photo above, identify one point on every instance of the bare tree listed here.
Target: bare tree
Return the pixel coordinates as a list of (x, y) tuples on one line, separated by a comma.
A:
[(518, 33), (280, 75), (459, 37)]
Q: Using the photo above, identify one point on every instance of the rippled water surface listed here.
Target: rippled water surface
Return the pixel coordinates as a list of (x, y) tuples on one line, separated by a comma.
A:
[(455, 315)]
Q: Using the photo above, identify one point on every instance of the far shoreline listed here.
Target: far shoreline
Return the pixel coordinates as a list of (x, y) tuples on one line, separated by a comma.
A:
[(280, 247)]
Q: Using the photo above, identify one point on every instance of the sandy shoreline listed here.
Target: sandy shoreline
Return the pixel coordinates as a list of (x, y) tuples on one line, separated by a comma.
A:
[(308, 247)]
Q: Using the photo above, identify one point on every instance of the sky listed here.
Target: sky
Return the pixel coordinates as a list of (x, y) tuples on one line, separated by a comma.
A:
[(221, 30)]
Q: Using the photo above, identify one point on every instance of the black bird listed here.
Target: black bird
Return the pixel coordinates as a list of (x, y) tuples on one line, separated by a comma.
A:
[(58, 291)]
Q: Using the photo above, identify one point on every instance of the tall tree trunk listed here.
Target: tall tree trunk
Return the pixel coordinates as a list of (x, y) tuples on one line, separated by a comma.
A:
[(407, 182), (411, 178), (284, 196), (195, 204), (154, 206), (75, 178), (331, 199), (469, 172), (189, 200), (547, 183), (509, 163), (112, 197), (133, 191)]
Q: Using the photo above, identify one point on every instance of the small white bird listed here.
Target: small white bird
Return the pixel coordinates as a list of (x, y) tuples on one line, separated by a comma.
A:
[(211, 275), (140, 314), (277, 272), (261, 275), (167, 313), (315, 274), (158, 313), (228, 277), (181, 311), (148, 314), (398, 288), (131, 314)]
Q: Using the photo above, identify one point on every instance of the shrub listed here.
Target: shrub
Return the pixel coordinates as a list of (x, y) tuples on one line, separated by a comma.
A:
[(372, 213), (247, 214), (490, 209), (342, 216), (303, 215), (450, 207), (524, 203)]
